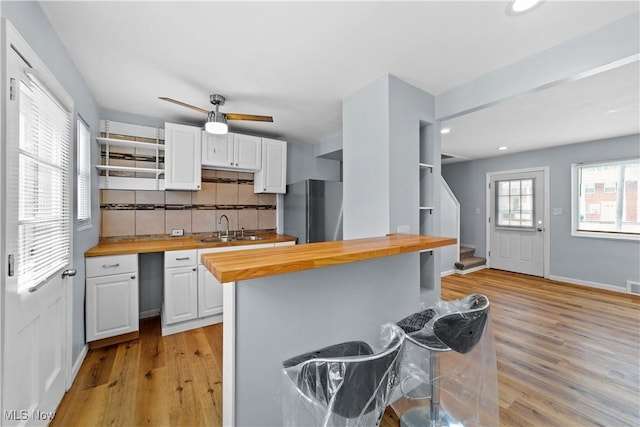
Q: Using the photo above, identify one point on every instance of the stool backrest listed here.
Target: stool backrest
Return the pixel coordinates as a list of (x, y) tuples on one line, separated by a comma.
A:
[(363, 383), (462, 330)]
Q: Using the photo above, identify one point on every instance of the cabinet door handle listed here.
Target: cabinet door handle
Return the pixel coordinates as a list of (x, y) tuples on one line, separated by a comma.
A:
[(110, 265), (231, 163), (195, 269), (133, 277), (182, 259)]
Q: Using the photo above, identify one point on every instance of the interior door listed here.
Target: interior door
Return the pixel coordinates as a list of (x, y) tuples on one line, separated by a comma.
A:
[(517, 222), (37, 189)]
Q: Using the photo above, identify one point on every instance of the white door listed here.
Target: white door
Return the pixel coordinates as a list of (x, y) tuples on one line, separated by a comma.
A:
[(217, 150), (247, 151), (517, 222), (209, 293), (37, 228), (180, 294), (182, 157)]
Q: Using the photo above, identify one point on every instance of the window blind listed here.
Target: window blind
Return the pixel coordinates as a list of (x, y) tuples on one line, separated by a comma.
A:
[(43, 194), (84, 175)]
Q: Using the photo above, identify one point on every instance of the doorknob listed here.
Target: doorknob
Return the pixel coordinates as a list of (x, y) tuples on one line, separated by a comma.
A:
[(71, 272)]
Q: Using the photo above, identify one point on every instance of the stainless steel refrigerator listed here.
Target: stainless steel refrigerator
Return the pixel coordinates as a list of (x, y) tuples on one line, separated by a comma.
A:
[(313, 211)]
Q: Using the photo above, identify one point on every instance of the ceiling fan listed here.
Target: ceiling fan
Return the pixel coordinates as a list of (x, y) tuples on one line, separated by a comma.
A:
[(217, 121)]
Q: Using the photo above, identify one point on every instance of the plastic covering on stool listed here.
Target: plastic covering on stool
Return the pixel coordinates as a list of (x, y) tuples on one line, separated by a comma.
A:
[(449, 351), (347, 384)]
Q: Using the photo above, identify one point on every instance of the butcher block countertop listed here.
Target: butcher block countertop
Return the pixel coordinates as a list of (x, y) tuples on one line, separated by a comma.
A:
[(139, 246), (230, 267)]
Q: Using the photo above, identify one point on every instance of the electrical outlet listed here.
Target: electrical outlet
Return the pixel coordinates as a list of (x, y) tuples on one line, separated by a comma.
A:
[(176, 232), (404, 229)]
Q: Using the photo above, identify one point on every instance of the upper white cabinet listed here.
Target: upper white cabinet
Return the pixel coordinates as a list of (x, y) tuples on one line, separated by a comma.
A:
[(182, 161), (232, 151), (272, 177)]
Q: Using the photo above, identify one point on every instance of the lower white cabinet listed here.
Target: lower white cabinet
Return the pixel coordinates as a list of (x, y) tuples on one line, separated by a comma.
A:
[(180, 286), (209, 293), (112, 296), (192, 295)]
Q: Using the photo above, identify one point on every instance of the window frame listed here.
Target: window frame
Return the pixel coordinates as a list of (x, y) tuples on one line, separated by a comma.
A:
[(533, 206), (83, 173), (575, 201)]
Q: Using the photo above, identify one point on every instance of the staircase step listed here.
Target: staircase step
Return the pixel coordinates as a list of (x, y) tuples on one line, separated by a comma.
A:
[(466, 252), (470, 262)]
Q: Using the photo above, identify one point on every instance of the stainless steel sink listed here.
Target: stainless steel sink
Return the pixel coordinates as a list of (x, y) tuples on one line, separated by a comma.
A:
[(249, 238), (217, 239)]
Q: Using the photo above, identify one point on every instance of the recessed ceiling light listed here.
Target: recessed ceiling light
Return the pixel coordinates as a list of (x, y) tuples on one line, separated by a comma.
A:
[(445, 131), (502, 148), (516, 7)]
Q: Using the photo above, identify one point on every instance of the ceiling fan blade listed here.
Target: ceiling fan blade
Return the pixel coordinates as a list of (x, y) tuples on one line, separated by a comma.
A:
[(200, 110), (252, 117)]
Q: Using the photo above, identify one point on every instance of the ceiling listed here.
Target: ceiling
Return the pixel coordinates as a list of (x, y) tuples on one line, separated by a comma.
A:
[(296, 61)]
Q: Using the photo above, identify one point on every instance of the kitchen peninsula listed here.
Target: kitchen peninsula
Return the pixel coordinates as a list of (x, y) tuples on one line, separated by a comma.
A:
[(286, 301)]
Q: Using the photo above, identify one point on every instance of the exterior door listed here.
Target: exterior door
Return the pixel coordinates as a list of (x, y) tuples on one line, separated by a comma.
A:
[(517, 222), (37, 228)]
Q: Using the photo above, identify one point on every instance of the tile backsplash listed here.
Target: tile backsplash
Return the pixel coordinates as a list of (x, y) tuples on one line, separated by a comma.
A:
[(127, 213)]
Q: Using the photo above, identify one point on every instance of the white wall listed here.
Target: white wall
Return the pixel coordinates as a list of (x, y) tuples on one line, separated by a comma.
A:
[(449, 227)]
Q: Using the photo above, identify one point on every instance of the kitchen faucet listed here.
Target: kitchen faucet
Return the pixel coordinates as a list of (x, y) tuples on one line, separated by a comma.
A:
[(220, 222)]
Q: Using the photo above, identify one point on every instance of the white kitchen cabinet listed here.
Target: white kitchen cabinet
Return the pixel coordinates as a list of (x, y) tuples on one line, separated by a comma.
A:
[(209, 293), (232, 151), (111, 296), (209, 288), (180, 286), (182, 158), (272, 177)]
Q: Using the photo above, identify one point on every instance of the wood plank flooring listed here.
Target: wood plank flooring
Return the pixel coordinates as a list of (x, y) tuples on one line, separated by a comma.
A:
[(567, 356)]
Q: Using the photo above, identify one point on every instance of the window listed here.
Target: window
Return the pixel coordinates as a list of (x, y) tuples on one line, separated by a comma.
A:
[(83, 140), (514, 200), (43, 191), (605, 199), (609, 187)]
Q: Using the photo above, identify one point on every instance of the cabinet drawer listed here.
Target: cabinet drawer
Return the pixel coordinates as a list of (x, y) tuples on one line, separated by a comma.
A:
[(113, 264), (180, 258)]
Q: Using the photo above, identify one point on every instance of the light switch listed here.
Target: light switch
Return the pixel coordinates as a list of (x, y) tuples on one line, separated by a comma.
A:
[(404, 229), (557, 211)]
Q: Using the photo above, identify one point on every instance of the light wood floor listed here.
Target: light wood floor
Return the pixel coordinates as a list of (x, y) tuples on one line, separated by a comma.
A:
[(567, 356)]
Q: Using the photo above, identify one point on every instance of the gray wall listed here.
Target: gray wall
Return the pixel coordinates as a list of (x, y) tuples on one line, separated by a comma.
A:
[(31, 22), (365, 140), (601, 261), (302, 164)]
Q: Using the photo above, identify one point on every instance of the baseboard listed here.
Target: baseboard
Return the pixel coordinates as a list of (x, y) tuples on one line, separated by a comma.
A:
[(464, 245), (588, 284), (190, 324), (77, 364), (447, 273), (471, 270), (150, 313)]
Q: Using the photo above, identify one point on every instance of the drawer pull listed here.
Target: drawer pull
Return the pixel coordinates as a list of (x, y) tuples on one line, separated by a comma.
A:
[(110, 265), (133, 277), (182, 258)]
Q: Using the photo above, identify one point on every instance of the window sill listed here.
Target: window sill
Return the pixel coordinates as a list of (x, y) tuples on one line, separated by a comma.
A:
[(605, 235)]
